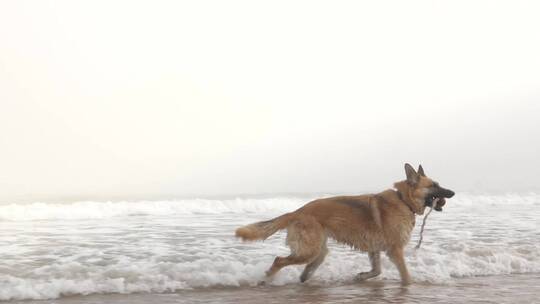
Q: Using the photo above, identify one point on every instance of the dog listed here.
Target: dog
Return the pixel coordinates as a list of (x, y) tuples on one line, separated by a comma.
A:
[(371, 223)]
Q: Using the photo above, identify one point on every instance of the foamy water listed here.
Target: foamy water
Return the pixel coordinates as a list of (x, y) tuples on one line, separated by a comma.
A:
[(51, 250)]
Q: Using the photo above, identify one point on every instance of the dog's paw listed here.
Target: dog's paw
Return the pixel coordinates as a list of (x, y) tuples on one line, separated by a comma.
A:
[(362, 276), (366, 275)]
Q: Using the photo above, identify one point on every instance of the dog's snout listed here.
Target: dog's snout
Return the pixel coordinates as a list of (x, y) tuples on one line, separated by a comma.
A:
[(449, 193)]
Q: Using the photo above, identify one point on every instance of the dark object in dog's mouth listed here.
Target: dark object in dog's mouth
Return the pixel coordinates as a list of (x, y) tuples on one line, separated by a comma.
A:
[(438, 201)]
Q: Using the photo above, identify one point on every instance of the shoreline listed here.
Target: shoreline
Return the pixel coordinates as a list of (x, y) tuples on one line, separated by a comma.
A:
[(513, 288)]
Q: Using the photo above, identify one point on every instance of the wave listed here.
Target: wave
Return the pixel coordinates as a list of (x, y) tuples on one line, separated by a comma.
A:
[(427, 265), (170, 246), (101, 210)]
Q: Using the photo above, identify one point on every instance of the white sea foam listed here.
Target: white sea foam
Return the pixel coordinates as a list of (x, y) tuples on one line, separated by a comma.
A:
[(101, 210), (95, 247)]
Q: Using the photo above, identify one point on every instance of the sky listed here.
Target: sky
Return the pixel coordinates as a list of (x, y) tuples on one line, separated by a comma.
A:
[(204, 98)]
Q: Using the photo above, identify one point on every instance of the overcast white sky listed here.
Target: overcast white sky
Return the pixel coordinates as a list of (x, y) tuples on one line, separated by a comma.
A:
[(142, 98)]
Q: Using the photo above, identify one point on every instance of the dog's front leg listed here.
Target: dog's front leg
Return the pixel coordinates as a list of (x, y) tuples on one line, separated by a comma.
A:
[(375, 259), (396, 256)]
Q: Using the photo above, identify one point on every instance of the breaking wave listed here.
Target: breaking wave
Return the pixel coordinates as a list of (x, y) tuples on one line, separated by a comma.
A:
[(54, 250), (102, 210)]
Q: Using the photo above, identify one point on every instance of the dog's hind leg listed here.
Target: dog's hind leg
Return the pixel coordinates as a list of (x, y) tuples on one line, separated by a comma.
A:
[(305, 237), (396, 256), (281, 262), (311, 267), (375, 259)]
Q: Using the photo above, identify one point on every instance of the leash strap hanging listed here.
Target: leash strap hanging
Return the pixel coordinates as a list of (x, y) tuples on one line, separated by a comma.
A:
[(422, 229)]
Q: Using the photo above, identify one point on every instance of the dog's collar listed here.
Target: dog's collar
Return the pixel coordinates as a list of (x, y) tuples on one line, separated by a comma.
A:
[(400, 196)]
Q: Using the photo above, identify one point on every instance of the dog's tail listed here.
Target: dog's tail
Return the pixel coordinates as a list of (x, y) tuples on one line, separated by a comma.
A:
[(262, 230)]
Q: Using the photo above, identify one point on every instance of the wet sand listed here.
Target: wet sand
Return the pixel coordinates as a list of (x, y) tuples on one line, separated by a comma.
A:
[(513, 289)]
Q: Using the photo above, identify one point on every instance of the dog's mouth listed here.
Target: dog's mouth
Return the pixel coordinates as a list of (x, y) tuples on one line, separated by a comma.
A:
[(438, 201), (436, 198)]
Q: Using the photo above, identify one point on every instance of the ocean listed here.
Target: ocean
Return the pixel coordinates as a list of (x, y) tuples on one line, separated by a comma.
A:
[(482, 248)]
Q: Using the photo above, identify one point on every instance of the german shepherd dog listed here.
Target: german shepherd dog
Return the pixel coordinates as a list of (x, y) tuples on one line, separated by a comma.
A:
[(371, 223)]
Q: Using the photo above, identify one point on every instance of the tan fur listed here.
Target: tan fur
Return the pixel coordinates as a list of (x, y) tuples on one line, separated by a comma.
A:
[(371, 223), (262, 230)]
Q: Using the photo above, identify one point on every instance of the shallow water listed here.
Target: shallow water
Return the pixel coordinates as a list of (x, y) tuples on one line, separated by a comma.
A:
[(501, 289), (185, 251)]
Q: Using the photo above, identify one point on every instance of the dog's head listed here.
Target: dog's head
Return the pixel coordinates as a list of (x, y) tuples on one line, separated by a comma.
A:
[(422, 191)]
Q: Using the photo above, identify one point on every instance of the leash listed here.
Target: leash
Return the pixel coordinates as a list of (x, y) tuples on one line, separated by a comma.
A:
[(422, 229)]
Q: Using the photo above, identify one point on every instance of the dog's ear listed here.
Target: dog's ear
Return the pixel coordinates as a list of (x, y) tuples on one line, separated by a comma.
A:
[(412, 176), (421, 171)]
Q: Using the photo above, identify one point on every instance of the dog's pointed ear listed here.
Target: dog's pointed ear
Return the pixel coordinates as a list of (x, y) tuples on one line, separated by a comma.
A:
[(412, 176), (421, 171)]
